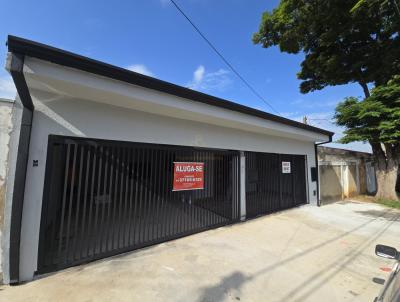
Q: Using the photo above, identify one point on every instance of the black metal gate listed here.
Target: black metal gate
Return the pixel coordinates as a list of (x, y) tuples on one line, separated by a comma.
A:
[(102, 198), (268, 188)]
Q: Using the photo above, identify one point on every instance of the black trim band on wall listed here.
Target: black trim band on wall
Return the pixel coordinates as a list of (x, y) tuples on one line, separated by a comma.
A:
[(16, 68), (68, 59)]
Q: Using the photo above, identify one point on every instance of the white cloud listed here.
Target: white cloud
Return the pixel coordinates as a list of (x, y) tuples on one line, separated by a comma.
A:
[(7, 88), (164, 2), (141, 68), (203, 80), (198, 74)]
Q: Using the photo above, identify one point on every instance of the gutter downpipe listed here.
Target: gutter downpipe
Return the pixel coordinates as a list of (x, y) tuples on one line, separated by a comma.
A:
[(317, 166), (15, 66)]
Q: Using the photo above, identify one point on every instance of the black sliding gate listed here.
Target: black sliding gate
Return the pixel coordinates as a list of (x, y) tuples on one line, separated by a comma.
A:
[(102, 198), (270, 188)]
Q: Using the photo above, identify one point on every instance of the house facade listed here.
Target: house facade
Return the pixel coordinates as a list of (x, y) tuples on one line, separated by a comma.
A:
[(109, 160)]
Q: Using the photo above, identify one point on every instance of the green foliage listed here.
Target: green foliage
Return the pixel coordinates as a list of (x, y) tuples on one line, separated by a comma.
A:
[(389, 203), (375, 119), (343, 41)]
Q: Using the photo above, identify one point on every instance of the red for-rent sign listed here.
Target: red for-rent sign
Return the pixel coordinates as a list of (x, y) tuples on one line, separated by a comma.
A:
[(188, 176)]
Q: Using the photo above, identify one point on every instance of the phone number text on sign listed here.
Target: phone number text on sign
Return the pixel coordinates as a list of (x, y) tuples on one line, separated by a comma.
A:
[(188, 176)]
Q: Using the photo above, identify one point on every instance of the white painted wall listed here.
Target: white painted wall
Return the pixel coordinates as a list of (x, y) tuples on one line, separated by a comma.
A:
[(5, 132), (53, 78), (76, 117)]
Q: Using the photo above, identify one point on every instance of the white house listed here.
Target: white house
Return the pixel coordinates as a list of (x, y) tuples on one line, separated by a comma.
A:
[(109, 160)]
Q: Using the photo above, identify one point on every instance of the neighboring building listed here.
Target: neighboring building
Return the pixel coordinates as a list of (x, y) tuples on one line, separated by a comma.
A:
[(344, 173), (109, 160), (5, 132)]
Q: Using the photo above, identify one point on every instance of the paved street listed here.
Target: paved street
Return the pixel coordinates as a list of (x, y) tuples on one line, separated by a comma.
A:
[(303, 254)]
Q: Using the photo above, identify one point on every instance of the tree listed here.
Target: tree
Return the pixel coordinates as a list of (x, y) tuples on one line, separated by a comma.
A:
[(376, 120), (341, 45), (344, 41)]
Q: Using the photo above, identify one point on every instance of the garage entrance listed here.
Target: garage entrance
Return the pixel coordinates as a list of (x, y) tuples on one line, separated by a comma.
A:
[(274, 182), (104, 197)]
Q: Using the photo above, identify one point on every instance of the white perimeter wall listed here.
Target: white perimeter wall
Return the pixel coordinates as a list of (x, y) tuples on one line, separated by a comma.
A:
[(5, 132), (72, 117)]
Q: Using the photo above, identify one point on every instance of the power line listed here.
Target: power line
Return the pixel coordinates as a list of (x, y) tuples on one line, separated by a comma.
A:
[(223, 58)]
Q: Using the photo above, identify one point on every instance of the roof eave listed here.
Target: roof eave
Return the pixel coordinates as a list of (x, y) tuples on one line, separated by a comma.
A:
[(68, 59)]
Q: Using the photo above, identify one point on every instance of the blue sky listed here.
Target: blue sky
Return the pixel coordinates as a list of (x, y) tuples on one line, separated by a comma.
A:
[(153, 38)]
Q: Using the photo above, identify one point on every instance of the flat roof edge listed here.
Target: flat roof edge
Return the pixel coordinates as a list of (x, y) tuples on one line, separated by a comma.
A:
[(69, 59)]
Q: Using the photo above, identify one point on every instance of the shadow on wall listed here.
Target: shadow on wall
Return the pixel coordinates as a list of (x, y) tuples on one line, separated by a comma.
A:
[(330, 184), (231, 285)]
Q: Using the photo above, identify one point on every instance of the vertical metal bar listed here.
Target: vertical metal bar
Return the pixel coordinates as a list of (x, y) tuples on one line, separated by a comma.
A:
[(117, 164), (108, 224), (180, 203), (151, 188), (211, 186), (182, 195), (159, 174), (78, 202), (223, 195), (192, 197), (157, 189), (294, 177), (138, 192), (280, 180), (125, 230), (227, 194), (71, 200), (121, 210), (233, 187), (153, 212), (168, 188), (262, 168), (135, 188), (133, 152), (185, 204), (63, 202), (54, 152), (110, 204), (99, 176), (222, 185), (145, 198), (144, 195), (175, 202), (141, 195), (170, 203), (174, 198), (232, 181), (121, 195), (103, 198), (161, 193), (149, 181), (257, 160), (216, 189), (84, 236)]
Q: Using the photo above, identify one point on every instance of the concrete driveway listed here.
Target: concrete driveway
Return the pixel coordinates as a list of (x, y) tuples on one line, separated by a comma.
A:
[(304, 254)]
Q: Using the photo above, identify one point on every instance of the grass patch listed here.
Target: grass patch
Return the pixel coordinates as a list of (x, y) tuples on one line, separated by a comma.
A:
[(395, 204), (389, 203)]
